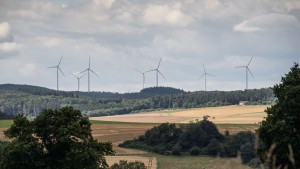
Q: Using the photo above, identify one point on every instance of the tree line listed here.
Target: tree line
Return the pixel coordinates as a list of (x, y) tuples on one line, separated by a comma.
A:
[(14, 102)]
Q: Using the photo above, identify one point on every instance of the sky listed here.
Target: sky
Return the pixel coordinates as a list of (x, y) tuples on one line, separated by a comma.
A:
[(120, 36)]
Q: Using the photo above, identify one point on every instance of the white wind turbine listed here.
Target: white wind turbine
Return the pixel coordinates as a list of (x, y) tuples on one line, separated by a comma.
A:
[(88, 70), (157, 71), (143, 74), (247, 70), (78, 79), (57, 74), (204, 75)]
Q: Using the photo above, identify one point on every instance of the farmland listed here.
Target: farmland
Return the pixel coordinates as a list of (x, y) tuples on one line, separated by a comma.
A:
[(117, 129), (218, 115)]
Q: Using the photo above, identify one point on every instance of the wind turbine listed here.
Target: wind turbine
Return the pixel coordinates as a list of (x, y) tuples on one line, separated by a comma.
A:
[(78, 79), (88, 70), (143, 73), (204, 75), (57, 68), (247, 70), (157, 71)]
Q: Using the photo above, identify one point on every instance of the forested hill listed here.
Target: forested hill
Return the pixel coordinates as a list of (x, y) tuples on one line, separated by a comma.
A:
[(35, 90), (30, 100), (42, 91)]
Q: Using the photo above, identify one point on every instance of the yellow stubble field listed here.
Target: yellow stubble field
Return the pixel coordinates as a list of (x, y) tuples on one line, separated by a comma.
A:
[(219, 115)]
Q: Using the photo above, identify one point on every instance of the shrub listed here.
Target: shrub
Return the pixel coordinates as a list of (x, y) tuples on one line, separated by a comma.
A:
[(123, 164), (176, 150), (195, 151)]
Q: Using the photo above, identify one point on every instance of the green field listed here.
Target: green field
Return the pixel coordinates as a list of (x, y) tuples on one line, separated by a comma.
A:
[(5, 123), (199, 162)]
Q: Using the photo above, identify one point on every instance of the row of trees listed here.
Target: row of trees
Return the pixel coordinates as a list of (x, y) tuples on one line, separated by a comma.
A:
[(17, 102)]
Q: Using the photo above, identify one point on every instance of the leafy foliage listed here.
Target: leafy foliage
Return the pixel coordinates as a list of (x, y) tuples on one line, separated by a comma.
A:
[(123, 164), (197, 138), (281, 128), (54, 139)]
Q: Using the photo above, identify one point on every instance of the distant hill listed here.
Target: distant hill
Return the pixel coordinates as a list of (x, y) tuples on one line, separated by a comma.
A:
[(35, 90), (42, 91), (30, 100)]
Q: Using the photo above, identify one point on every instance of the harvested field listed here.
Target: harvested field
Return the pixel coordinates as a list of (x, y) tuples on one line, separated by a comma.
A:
[(218, 115), (117, 133)]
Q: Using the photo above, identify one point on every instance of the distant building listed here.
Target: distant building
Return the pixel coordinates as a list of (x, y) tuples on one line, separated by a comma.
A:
[(242, 103)]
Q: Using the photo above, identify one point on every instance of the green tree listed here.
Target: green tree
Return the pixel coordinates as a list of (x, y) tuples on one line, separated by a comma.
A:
[(281, 129), (55, 139), (123, 164)]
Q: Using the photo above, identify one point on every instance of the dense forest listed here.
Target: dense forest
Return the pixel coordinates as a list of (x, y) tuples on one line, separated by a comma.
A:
[(30, 100)]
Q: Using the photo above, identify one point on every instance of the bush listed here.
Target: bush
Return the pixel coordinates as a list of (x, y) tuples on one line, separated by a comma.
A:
[(176, 150), (248, 152), (123, 164), (195, 151), (214, 147)]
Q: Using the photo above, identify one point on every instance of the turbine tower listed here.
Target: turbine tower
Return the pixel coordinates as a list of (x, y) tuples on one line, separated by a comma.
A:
[(247, 70), (204, 75), (143, 73), (78, 79), (88, 70), (57, 69), (157, 72)]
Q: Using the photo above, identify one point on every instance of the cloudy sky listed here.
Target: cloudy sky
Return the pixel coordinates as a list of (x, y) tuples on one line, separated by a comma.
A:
[(123, 35)]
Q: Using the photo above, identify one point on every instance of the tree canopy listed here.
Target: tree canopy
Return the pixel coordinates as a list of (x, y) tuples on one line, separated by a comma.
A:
[(55, 139), (280, 131)]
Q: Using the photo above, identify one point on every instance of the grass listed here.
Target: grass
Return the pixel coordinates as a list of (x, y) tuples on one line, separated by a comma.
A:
[(198, 162), (5, 123)]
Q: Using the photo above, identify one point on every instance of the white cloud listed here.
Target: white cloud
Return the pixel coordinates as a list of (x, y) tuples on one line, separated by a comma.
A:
[(28, 69), (166, 15), (268, 22), (4, 30), (50, 42), (8, 47), (104, 3)]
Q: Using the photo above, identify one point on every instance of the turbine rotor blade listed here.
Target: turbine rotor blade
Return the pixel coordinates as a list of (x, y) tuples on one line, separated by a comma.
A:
[(94, 72), (240, 67), (250, 61), (209, 74), (61, 71), (202, 76), (161, 74), (52, 67), (83, 71), (151, 70), (204, 68), (74, 76), (158, 63), (59, 61), (81, 76), (250, 72), (89, 62)]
